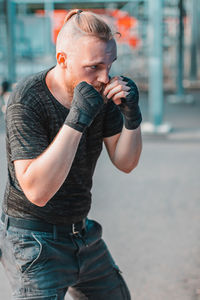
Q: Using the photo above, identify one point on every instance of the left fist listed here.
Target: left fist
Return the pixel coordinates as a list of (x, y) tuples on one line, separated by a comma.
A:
[(124, 93)]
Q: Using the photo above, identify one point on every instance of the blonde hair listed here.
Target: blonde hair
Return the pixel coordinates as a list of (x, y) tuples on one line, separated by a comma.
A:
[(90, 23), (78, 23)]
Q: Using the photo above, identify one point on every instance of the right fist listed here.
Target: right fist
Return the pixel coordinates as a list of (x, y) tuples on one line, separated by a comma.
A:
[(86, 104)]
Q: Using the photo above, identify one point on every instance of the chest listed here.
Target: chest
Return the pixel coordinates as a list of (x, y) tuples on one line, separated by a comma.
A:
[(91, 141)]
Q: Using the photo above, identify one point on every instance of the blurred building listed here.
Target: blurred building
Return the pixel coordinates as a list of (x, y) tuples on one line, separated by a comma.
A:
[(34, 26)]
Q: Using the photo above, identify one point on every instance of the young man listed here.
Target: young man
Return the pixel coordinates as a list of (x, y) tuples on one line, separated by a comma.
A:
[(57, 121)]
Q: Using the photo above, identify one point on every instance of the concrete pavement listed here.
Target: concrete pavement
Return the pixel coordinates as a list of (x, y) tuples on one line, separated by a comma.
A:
[(151, 216)]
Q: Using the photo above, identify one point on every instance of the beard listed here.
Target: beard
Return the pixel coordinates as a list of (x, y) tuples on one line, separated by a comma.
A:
[(70, 87)]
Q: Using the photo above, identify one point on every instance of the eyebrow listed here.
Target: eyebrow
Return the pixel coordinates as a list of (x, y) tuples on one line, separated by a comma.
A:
[(99, 62)]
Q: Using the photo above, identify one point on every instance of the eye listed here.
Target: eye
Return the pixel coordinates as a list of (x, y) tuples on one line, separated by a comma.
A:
[(93, 67)]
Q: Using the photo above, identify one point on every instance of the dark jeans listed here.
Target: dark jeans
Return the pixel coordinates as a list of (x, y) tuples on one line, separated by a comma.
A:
[(40, 265)]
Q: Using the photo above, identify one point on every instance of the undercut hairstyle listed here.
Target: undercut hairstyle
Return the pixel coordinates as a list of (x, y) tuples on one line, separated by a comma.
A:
[(80, 23)]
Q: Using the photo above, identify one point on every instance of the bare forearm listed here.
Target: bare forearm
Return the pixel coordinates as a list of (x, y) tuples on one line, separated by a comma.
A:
[(128, 150), (44, 175), (124, 149)]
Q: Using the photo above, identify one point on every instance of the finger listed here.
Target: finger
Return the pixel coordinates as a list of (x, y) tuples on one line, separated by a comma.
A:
[(110, 86), (117, 90), (117, 101), (118, 96), (115, 78), (113, 84)]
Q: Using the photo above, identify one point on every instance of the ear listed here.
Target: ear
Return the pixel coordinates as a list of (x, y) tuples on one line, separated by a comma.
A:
[(62, 59)]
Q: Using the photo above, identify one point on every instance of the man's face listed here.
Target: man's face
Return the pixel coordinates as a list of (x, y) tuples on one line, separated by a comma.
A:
[(90, 61)]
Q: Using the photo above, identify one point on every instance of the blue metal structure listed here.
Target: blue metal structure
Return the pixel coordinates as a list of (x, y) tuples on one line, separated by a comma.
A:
[(180, 52), (11, 14), (155, 62), (154, 17), (194, 40)]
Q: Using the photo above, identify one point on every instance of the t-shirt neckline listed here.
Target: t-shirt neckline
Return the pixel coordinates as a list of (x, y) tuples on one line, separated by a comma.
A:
[(48, 91)]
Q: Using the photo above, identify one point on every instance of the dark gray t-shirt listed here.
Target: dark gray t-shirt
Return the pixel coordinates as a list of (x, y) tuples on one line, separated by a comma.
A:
[(33, 119)]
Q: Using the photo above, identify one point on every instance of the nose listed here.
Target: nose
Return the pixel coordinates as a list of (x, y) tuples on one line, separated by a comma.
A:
[(103, 76)]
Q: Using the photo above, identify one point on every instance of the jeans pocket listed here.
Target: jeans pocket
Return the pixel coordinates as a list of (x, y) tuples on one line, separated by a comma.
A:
[(93, 232), (27, 251)]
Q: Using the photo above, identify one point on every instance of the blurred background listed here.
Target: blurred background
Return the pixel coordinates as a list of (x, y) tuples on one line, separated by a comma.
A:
[(158, 48), (151, 216)]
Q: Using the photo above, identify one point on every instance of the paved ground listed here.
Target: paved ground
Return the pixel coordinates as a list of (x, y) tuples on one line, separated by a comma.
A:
[(151, 216)]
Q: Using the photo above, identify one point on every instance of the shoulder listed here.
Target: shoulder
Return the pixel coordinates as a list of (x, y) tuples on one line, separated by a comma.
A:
[(28, 91)]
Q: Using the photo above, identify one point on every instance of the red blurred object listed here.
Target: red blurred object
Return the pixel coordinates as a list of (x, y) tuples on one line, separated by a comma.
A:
[(125, 24)]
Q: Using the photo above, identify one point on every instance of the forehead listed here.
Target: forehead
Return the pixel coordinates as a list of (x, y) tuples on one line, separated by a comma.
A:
[(92, 48)]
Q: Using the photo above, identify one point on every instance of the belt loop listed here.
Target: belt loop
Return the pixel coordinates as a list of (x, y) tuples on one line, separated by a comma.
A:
[(55, 233), (74, 231)]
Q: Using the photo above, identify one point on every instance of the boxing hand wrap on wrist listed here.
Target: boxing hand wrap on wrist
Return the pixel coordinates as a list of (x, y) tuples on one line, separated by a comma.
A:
[(129, 106), (86, 104)]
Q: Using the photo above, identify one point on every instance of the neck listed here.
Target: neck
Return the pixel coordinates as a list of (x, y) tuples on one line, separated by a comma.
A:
[(57, 86)]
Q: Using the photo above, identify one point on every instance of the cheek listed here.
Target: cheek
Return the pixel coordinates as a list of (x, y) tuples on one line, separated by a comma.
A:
[(72, 68), (73, 65), (86, 75), (79, 73)]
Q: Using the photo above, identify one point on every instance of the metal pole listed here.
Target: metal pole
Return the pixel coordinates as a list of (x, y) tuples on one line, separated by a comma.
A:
[(49, 8), (180, 96), (194, 40), (155, 62), (11, 16), (180, 90)]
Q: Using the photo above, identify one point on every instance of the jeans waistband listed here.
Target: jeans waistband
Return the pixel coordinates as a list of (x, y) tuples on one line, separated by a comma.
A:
[(38, 225)]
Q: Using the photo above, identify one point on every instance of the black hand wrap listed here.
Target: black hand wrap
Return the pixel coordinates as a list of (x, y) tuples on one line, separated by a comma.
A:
[(86, 104), (129, 106)]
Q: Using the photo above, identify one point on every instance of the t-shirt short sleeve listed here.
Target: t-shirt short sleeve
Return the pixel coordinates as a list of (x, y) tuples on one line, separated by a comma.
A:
[(113, 121), (26, 134)]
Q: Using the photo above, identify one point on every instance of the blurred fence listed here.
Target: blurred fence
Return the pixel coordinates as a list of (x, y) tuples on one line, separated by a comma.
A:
[(36, 25), (158, 47)]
